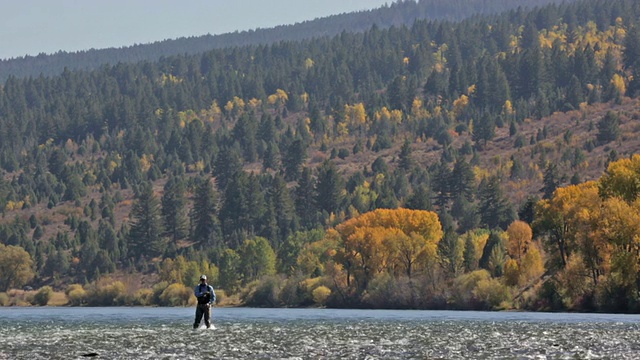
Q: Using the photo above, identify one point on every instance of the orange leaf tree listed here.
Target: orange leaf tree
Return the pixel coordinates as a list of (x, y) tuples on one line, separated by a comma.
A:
[(387, 240)]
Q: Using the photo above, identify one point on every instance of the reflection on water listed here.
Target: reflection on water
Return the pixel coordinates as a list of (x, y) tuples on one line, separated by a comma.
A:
[(152, 333)]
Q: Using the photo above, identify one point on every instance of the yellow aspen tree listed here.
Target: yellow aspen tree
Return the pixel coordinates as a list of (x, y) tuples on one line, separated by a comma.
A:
[(255, 104), (383, 114), (511, 273), (532, 264), (622, 179), (145, 162), (618, 83), (460, 104), (619, 224), (308, 63), (520, 235), (559, 216), (397, 116), (355, 114), (574, 281), (229, 107), (278, 99)]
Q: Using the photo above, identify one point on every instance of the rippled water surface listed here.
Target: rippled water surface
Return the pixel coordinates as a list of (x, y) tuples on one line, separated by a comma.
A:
[(165, 333)]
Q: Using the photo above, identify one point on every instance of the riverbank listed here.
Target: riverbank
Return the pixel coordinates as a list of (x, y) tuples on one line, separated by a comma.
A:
[(77, 296)]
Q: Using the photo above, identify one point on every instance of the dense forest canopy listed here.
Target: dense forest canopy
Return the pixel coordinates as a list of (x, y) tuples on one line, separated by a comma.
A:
[(428, 161), (396, 14)]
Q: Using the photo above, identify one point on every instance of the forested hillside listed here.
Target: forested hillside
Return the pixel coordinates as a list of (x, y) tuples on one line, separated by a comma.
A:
[(438, 165), (397, 14)]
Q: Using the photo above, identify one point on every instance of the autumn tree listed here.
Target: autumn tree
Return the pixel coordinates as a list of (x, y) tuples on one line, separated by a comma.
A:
[(520, 236), (386, 238), (15, 267), (558, 216)]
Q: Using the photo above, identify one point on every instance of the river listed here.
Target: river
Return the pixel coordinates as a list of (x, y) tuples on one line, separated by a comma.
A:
[(165, 333)]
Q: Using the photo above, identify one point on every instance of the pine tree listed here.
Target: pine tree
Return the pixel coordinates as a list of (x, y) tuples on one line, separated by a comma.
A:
[(551, 180), (494, 208), (329, 187), (463, 179), (204, 222), (420, 199), (173, 209), (305, 200), (609, 128), (227, 163), (442, 184), (470, 254), (146, 225), (294, 159), (283, 208), (406, 162)]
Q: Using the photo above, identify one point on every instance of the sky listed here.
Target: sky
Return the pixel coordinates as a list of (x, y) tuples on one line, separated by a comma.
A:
[(30, 27)]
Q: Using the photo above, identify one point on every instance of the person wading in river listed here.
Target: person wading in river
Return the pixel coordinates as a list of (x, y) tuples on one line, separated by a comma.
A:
[(206, 298)]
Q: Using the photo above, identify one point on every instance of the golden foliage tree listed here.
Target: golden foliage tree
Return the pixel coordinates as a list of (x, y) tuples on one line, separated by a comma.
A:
[(520, 236), (387, 239), (622, 179), (15, 267), (562, 215)]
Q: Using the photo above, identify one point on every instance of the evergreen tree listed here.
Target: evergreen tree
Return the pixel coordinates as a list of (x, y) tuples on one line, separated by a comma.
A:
[(146, 224), (463, 179), (329, 188), (470, 254), (227, 163), (283, 209), (442, 184), (609, 128), (484, 130), (271, 159), (293, 160), (494, 208), (305, 200), (204, 222), (406, 162), (494, 242), (551, 180), (450, 253), (173, 209), (575, 94), (420, 199)]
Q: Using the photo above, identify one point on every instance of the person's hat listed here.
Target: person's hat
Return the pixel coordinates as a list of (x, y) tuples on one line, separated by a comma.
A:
[(203, 277)]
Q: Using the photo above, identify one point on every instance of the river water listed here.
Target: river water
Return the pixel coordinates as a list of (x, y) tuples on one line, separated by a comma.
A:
[(240, 333)]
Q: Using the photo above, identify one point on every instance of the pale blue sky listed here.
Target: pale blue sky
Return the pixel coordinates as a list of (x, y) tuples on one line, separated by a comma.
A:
[(34, 26)]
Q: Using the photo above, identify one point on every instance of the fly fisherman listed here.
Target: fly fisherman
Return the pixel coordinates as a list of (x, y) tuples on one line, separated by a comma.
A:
[(206, 297)]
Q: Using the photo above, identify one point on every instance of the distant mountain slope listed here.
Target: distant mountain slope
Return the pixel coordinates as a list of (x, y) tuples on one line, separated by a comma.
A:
[(398, 13)]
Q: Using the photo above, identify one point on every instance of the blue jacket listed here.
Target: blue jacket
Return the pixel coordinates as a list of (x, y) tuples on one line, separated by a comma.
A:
[(201, 289)]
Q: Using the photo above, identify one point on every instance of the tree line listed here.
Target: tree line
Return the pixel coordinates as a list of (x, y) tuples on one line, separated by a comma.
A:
[(396, 14)]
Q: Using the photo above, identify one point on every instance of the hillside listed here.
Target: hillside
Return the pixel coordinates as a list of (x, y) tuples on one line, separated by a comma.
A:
[(412, 160), (399, 13)]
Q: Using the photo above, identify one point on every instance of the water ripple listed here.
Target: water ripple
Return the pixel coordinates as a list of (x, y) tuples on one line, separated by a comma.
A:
[(317, 338)]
